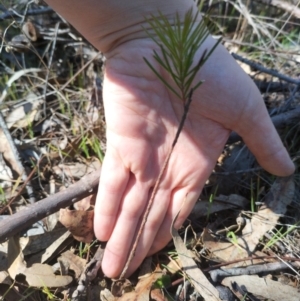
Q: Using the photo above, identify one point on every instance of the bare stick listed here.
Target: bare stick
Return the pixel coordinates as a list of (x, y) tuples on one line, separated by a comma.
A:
[(266, 70), (217, 275), (87, 185), (157, 183)]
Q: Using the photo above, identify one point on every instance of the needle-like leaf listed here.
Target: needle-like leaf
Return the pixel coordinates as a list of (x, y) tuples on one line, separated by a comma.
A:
[(178, 42)]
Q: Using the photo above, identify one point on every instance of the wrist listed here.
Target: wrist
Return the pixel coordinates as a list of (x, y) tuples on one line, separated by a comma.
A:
[(107, 24)]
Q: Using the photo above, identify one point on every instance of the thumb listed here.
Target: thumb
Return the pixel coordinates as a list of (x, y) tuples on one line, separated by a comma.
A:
[(261, 137)]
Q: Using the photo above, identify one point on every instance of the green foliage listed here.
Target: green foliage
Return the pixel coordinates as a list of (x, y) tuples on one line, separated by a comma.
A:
[(84, 248), (96, 147), (88, 143), (50, 296), (162, 282), (233, 237), (178, 42), (278, 236), (211, 199), (3, 200)]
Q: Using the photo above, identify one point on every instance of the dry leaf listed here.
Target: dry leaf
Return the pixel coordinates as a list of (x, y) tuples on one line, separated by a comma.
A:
[(5, 173), (276, 202), (55, 245), (157, 295), (73, 262), (42, 275), (31, 31), (35, 245), (7, 289), (8, 154), (86, 202), (77, 170), (268, 289), (279, 197), (143, 288), (22, 116), (37, 275), (106, 295), (195, 275), (4, 278), (79, 223)]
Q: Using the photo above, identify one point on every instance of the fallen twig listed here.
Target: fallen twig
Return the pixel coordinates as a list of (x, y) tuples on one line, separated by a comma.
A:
[(261, 68), (35, 212), (217, 266), (271, 86), (218, 275)]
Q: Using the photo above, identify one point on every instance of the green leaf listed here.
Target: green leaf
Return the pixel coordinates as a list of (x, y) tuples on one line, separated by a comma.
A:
[(162, 282)]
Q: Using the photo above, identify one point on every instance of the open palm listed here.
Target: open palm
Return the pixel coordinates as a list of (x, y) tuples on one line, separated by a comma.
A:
[(142, 118)]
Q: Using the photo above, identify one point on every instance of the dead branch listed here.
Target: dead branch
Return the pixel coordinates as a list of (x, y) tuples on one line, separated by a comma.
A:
[(261, 68), (218, 275), (288, 7), (37, 211)]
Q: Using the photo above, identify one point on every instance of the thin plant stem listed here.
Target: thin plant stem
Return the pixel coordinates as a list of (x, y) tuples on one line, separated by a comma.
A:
[(157, 183)]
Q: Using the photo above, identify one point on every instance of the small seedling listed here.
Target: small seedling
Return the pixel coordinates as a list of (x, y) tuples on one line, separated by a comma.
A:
[(211, 199), (279, 236), (163, 282), (179, 43), (233, 239)]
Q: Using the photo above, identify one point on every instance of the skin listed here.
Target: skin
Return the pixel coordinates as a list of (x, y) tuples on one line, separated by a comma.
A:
[(142, 118)]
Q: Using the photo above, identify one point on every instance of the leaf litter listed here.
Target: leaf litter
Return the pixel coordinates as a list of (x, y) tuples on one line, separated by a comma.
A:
[(61, 129)]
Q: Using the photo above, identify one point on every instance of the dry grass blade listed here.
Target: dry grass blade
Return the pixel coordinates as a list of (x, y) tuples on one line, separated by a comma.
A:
[(294, 10), (16, 159), (190, 268)]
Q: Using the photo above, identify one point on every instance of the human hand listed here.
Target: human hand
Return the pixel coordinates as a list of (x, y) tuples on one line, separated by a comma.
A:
[(142, 117)]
